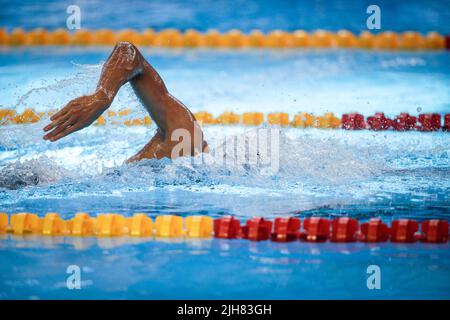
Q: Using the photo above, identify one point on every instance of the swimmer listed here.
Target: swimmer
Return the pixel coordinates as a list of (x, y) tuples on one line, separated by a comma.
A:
[(126, 64)]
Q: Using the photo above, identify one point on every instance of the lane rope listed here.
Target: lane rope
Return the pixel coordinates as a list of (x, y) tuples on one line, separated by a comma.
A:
[(173, 38), (349, 121), (313, 229)]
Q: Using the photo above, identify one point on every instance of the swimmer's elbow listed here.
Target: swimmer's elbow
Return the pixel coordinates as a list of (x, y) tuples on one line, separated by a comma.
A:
[(126, 54), (125, 45)]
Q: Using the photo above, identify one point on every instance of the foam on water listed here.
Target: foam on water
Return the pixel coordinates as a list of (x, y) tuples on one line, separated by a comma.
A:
[(316, 168), (323, 160)]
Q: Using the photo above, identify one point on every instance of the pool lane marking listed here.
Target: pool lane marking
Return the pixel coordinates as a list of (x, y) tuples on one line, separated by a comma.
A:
[(233, 39), (288, 229), (348, 121)]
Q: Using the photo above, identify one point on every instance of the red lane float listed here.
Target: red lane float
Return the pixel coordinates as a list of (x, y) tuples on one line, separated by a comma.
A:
[(435, 231), (429, 122), (353, 121), (379, 122), (227, 227), (344, 229), (286, 229), (404, 122), (316, 230), (404, 230), (257, 229), (374, 231), (425, 122), (446, 126)]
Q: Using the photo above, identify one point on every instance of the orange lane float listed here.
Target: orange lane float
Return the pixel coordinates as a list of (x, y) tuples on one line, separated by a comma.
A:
[(59, 37), (53, 225), (304, 120), (104, 37), (192, 39), (227, 118), (411, 41), (252, 118), (82, 38), (170, 38), (280, 118), (25, 223), (204, 117), (346, 39), (18, 37), (435, 41), (3, 37), (140, 225), (110, 224), (387, 40), (256, 39), (213, 39), (322, 39), (366, 40), (38, 37), (4, 222), (82, 225), (234, 38)]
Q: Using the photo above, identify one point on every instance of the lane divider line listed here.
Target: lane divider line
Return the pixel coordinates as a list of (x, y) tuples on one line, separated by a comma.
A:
[(348, 121), (173, 38), (312, 229)]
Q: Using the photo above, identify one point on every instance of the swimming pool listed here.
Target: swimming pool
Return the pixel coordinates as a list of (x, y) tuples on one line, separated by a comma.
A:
[(327, 173)]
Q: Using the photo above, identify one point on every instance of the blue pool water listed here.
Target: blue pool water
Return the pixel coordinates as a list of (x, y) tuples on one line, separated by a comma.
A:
[(396, 15), (321, 172), (328, 173)]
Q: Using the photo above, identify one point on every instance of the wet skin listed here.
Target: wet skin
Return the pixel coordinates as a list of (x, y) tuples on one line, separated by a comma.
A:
[(126, 64)]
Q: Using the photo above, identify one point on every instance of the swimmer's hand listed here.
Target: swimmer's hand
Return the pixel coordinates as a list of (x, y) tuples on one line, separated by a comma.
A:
[(76, 115)]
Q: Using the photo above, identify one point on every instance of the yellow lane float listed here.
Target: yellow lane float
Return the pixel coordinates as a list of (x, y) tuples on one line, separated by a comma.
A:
[(22, 223), (199, 226), (3, 222), (252, 118), (140, 225), (279, 118), (169, 226), (204, 117), (53, 225), (228, 118), (82, 225), (111, 224)]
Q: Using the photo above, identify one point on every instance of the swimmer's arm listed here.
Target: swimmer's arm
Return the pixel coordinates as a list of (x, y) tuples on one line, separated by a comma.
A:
[(83, 111), (125, 64)]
